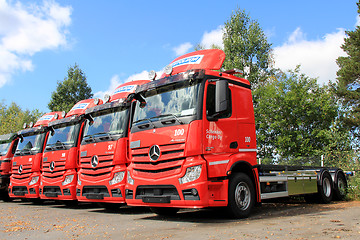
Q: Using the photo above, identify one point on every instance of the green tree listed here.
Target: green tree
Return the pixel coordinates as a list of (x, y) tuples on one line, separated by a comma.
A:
[(12, 118), (347, 86), (246, 47), (295, 120), (68, 92)]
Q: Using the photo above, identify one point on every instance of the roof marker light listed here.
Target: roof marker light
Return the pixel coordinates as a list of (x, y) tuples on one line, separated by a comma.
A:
[(168, 69), (24, 125), (63, 114), (96, 101), (56, 116), (107, 98), (31, 124), (152, 75)]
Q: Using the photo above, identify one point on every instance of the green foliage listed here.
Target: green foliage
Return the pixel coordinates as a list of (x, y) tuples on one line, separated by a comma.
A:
[(295, 120), (347, 86), (73, 89), (246, 47), (13, 117)]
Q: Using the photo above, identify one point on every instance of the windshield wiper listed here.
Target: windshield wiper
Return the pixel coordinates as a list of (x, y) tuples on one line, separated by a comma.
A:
[(169, 115), (108, 135), (59, 145), (145, 125)]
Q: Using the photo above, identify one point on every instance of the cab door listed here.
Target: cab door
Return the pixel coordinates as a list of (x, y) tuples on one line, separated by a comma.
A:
[(220, 138)]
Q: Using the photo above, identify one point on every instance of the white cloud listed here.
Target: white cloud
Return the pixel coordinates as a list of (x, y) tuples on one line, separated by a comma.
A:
[(28, 29), (317, 57), (182, 48), (213, 37), (115, 81)]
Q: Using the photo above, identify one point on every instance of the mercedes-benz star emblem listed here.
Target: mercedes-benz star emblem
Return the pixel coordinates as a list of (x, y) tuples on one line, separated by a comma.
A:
[(20, 169), (154, 152), (52, 166), (94, 161)]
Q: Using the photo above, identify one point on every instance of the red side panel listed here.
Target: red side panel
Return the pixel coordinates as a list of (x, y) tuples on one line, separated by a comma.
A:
[(209, 59)]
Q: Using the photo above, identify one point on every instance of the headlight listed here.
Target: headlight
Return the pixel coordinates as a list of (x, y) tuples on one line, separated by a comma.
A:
[(129, 179), (118, 177), (33, 180), (68, 179), (192, 173)]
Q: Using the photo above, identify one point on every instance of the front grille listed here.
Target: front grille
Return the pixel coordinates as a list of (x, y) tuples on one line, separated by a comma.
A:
[(169, 163), (51, 191), (25, 173), (95, 190), (19, 191), (57, 172), (157, 191), (103, 168)]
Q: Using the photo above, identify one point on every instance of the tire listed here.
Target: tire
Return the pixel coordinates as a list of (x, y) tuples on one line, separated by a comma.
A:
[(164, 211), (340, 186), (241, 196), (325, 190)]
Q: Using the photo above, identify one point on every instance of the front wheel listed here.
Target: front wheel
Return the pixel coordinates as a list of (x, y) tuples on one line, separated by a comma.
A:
[(241, 196)]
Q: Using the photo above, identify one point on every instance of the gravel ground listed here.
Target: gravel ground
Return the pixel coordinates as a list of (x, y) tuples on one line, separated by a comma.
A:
[(291, 220)]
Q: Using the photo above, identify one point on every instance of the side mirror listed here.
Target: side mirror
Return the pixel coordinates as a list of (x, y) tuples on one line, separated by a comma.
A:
[(222, 97)]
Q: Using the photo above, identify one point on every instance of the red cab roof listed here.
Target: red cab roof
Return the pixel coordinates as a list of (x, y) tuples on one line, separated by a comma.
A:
[(48, 117), (208, 59), (123, 90), (80, 107)]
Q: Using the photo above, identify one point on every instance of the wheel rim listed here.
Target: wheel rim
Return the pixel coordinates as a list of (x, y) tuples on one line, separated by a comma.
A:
[(341, 186), (242, 195), (327, 187)]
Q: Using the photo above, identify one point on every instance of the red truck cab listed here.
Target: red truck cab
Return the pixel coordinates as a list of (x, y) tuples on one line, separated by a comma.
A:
[(184, 141), (8, 143), (27, 160), (103, 150), (61, 154)]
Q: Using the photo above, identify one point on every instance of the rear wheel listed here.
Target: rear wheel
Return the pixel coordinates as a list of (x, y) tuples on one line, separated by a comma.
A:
[(325, 192), (164, 211), (340, 186), (241, 196)]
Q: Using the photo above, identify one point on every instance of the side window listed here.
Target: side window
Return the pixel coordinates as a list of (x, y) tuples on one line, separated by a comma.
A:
[(210, 103)]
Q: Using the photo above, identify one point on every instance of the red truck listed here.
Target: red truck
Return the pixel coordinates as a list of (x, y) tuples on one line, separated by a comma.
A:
[(26, 163), (104, 149), (61, 155), (193, 145), (8, 143)]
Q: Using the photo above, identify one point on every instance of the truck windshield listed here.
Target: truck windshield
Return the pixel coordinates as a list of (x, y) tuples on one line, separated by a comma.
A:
[(109, 126), (168, 102), (4, 147), (31, 144), (63, 137)]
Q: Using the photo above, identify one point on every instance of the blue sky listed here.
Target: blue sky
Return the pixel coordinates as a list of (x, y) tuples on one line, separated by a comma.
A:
[(117, 41)]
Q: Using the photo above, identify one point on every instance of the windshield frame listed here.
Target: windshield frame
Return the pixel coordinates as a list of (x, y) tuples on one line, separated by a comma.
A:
[(168, 84), (63, 145), (106, 136), (4, 148), (40, 141)]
